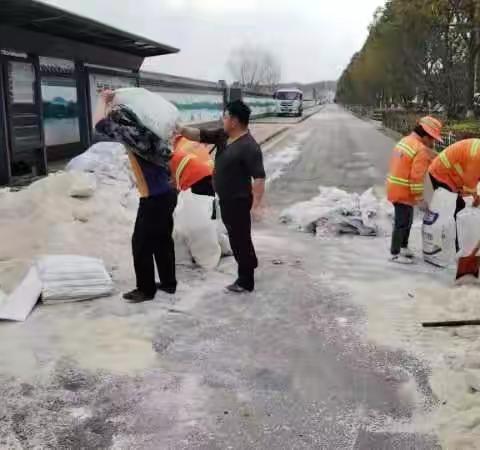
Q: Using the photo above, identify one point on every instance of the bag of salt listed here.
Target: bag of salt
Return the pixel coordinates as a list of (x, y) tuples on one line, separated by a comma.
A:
[(468, 228), (439, 229), (193, 225), (153, 111)]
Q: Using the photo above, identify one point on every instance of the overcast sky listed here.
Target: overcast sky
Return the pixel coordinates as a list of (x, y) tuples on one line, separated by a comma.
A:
[(314, 39)]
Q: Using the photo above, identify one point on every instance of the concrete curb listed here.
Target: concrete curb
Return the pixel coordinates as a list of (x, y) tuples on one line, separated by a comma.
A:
[(307, 114), (287, 127), (311, 113), (273, 136)]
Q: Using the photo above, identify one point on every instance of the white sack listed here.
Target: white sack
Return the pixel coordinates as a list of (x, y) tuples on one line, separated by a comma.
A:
[(468, 226), (336, 211), (182, 252), (439, 229), (70, 278), (222, 232), (155, 113), (194, 224)]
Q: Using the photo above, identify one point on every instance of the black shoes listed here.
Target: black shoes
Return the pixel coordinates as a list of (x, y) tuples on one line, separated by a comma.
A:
[(137, 296), (237, 289), (167, 289)]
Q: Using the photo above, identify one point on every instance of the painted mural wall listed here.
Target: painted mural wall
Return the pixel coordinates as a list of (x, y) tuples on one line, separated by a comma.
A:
[(60, 111), (260, 105), (196, 108), (60, 104)]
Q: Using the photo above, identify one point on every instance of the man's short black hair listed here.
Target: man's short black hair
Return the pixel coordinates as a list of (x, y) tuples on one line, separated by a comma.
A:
[(240, 111)]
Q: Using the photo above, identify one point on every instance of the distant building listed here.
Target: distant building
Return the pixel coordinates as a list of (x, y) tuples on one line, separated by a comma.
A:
[(52, 63)]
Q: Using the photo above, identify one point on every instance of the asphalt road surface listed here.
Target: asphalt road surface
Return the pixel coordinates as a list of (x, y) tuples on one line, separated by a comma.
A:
[(284, 368), (337, 149)]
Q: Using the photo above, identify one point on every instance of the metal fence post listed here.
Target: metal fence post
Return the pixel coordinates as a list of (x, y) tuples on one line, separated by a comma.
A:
[(84, 110), (5, 168)]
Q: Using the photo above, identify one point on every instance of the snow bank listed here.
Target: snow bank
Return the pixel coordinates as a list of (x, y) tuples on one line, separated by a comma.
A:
[(337, 211), (45, 218), (404, 298)]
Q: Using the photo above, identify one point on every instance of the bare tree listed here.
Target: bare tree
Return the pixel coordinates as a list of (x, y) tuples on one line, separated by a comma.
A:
[(255, 68)]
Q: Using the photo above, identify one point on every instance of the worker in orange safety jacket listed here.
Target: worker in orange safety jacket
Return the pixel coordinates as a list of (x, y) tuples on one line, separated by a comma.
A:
[(191, 167), (405, 183), (457, 169)]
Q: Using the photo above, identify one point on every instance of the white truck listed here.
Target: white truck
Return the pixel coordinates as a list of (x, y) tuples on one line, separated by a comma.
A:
[(289, 102)]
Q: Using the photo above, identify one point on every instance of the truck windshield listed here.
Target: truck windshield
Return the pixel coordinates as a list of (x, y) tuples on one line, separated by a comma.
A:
[(288, 96)]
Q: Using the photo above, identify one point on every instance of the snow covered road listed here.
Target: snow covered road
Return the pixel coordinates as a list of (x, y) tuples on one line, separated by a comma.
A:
[(298, 365)]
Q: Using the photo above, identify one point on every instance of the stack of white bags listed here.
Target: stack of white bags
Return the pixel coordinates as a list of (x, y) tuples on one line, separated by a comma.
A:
[(71, 278), (57, 279)]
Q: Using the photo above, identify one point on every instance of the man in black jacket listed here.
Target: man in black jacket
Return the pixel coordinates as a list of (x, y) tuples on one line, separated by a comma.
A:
[(238, 161)]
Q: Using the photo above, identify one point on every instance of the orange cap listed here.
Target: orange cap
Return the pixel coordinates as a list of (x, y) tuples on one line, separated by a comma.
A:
[(432, 126)]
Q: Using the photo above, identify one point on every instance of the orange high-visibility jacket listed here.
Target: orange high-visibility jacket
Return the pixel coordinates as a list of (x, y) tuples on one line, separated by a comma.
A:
[(408, 167), (190, 163), (458, 166)]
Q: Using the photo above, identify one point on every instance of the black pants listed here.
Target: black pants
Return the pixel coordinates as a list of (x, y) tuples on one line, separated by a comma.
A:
[(204, 187), (401, 228), (236, 215), (152, 240), (460, 201)]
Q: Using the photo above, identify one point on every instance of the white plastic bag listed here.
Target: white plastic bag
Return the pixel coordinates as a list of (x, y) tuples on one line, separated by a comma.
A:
[(182, 252), (71, 278), (468, 226), (222, 232), (439, 229), (194, 225), (155, 113)]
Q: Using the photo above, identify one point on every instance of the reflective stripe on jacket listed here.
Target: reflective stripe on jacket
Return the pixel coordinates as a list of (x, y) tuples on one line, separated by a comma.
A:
[(408, 167), (458, 166), (190, 163)]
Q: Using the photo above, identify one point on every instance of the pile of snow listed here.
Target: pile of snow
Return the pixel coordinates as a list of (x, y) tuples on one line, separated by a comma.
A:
[(89, 210), (107, 160), (337, 211)]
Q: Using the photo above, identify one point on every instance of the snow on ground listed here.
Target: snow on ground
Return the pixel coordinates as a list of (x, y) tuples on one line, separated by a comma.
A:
[(397, 299), (45, 218), (276, 162)]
